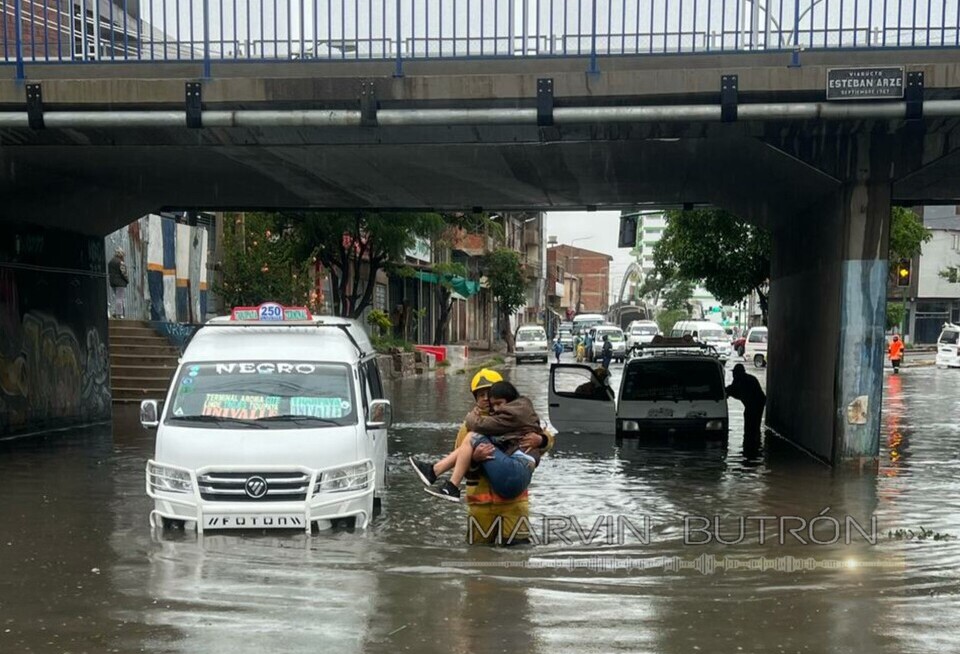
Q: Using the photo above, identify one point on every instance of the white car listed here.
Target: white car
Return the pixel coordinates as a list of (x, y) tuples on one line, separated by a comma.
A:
[(274, 419), (617, 340), (640, 332), (678, 391), (948, 347), (531, 343), (755, 347), (704, 331)]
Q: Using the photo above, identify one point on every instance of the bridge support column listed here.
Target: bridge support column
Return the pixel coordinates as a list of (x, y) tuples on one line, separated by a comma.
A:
[(54, 366), (828, 313)]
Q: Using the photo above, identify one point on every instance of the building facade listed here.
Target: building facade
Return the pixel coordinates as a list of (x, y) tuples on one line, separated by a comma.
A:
[(933, 295), (589, 269)]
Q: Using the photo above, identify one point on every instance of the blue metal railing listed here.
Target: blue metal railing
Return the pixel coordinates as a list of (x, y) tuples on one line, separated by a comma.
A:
[(233, 30)]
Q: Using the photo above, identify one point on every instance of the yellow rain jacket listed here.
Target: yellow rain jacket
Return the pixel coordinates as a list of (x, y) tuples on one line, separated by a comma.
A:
[(484, 505)]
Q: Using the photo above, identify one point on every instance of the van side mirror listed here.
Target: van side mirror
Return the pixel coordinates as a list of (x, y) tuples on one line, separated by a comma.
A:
[(149, 414), (381, 415)]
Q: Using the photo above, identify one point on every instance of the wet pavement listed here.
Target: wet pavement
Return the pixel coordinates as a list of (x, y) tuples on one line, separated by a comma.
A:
[(82, 571)]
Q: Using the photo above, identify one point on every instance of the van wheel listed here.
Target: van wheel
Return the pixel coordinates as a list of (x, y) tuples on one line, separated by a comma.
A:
[(758, 361), (377, 506)]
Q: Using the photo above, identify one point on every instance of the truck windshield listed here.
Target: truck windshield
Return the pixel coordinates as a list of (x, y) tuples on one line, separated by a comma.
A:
[(272, 394), (672, 380)]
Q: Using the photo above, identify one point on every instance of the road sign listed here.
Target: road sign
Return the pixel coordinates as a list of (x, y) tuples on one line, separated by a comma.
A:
[(865, 83)]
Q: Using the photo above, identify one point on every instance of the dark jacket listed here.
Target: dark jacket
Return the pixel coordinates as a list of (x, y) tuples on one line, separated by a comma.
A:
[(747, 389), (117, 272), (508, 425)]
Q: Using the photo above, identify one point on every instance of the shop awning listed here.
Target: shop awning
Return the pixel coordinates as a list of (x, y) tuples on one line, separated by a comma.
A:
[(463, 286)]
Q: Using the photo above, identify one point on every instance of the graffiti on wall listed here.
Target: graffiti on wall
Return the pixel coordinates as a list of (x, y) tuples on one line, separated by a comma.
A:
[(48, 375)]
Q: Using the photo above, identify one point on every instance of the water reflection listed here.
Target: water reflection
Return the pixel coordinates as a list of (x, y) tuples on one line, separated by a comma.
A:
[(74, 503)]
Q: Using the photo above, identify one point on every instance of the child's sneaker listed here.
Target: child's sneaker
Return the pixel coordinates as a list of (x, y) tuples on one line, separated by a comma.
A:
[(424, 471), (447, 492)]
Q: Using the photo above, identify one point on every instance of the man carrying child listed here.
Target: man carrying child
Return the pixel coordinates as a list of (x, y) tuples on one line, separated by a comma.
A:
[(510, 468)]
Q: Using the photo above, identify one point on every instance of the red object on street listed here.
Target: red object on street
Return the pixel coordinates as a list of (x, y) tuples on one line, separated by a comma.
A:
[(437, 350)]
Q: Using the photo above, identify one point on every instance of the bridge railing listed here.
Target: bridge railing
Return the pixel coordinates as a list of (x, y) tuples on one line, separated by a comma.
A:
[(243, 30)]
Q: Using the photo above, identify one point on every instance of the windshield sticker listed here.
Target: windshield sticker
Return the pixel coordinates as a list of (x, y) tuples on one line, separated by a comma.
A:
[(319, 407), (227, 405), (266, 368)]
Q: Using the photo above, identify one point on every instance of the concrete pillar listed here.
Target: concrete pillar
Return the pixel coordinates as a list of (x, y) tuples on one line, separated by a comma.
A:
[(827, 315), (54, 364)]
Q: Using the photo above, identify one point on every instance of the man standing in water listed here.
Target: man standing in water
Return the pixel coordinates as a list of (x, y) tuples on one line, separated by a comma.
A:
[(485, 506), (746, 388)]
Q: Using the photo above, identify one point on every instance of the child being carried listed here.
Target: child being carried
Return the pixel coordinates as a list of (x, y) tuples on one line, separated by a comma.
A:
[(510, 469)]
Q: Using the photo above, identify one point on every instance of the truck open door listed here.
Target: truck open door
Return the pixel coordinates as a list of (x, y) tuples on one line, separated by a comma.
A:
[(579, 402)]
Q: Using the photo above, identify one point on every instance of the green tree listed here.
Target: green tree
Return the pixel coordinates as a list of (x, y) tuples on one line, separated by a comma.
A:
[(354, 245), (907, 234), (668, 318), (507, 285), (730, 257), (261, 262), (676, 296), (895, 315)]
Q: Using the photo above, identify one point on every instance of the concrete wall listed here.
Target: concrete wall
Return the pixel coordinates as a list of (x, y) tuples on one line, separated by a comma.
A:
[(54, 370), (167, 267), (939, 253)]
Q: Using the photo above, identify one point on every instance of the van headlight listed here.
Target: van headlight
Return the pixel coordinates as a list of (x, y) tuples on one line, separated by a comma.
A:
[(714, 425), (630, 425), (349, 478), (169, 480)]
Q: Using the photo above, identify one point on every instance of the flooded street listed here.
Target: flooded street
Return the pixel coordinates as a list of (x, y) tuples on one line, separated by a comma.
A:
[(82, 571)]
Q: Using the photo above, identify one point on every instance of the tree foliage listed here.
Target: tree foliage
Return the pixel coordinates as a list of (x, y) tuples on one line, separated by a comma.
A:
[(730, 257), (668, 318), (907, 234), (507, 286), (354, 245), (261, 262)]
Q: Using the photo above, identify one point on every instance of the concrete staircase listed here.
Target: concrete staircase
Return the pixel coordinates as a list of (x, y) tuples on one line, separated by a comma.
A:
[(142, 362)]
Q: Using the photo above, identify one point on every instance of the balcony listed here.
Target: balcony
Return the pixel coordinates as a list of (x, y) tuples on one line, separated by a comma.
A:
[(531, 237), (473, 245)]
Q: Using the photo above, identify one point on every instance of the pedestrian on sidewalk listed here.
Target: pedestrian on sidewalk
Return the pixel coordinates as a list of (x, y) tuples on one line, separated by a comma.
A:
[(896, 354), (117, 276)]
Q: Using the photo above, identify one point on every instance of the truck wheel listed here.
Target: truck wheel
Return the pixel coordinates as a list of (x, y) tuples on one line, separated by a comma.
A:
[(758, 361)]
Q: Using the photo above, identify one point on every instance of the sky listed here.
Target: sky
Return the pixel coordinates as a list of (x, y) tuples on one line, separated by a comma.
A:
[(595, 230)]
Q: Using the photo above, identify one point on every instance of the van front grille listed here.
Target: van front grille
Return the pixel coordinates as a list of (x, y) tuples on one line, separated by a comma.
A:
[(246, 486)]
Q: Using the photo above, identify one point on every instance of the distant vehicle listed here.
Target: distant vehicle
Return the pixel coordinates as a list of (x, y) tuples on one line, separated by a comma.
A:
[(640, 332), (566, 335), (615, 334), (704, 331), (531, 343), (948, 347), (675, 390), (582, 322), (756, 347)]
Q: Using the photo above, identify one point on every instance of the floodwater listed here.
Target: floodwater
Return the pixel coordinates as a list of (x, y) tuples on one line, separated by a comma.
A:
[(80, 570)]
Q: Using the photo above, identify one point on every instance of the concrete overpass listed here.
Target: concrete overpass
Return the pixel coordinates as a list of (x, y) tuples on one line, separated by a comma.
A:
[(821, 176)]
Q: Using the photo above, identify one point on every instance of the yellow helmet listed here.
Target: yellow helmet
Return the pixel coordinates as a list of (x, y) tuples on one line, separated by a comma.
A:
[(485, 379)]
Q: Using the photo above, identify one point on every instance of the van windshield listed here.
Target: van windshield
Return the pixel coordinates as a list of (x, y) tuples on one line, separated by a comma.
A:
[(278, 394), (712, 334), (672, 380), (644, 331), (950, 338), (614, 336)]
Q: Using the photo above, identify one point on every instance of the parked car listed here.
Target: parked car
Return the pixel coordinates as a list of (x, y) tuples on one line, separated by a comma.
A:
[(756, 347), (641, 331), (531, 343), (948, 347), (676, 391), (615, 334), (566, 335), (706, 332)]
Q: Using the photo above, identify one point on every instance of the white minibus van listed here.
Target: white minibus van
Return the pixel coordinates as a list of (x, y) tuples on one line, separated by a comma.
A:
[(274, 419)]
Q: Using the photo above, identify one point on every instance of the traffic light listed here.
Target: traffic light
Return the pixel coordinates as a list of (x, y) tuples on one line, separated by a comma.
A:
[(903, 273)]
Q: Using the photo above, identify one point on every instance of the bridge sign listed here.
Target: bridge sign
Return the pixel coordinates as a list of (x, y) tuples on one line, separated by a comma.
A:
[(865, 83)]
